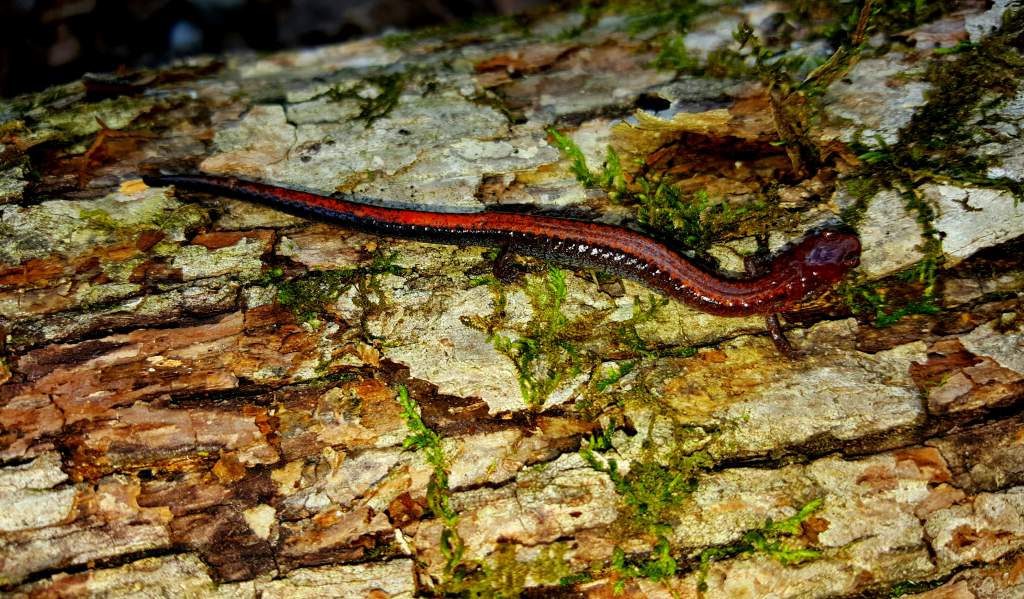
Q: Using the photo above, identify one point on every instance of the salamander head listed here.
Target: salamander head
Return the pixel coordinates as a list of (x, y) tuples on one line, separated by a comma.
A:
[(819, 261), (835, 248)]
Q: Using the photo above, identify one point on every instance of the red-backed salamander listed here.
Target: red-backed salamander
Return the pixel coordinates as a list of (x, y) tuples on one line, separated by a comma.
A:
[(802, 270)]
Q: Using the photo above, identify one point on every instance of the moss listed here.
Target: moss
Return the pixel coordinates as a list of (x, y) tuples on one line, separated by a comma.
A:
[(794, 90), (379, 106), (794, 81), (440, 32), (610, 178), (545, 354), (504, 576), (900, 15), (675, 15), (909, 587), (271, 276), (942, 138), (769, 540), (490, 323), (376, 96), (835, 21), (650, 490), (658, 566), (628, 338), (99, 219), (495, 102), (940, 143), (885, 303), (961, 46), (673, 56), (326, 378), (307, 294), (577, 161), (613, 374), (874, 300), (501, 576), (548, 350), (692, 220), (423, 439), (862, 188), (663, 209)]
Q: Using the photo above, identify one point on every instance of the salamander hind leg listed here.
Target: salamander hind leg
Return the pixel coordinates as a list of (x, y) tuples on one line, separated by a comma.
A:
[(779, 338)]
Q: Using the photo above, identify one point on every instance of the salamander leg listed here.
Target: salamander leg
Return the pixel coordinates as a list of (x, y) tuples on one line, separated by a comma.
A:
[(779, 338), (504, 268), (760, 261)]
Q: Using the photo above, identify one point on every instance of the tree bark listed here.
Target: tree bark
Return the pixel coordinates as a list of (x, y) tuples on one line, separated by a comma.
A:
[(204, 397)]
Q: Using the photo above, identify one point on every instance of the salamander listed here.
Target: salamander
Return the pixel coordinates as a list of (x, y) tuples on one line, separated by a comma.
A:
[(800, 271)]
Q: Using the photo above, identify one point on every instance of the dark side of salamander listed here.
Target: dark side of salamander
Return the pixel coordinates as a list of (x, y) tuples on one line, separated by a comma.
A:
[(803, 270)]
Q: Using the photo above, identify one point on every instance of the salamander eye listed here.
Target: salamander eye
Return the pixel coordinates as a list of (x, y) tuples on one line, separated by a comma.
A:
[(851, 258)]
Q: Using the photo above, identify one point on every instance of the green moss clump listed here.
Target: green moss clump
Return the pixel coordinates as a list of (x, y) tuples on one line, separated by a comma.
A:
[(372, 106), (613, 374), (549, 348), (769, 540), (577, 161), (99, 219), (900, 15), (421, 438), (379, 106), (658, 566), (307, 294), (940, 143), (873, 300), (503, 576), (673, 56), (628, 338), (690, 219), (836, 20), (545, 355), (909, 587), (650, 490), (942, 138), (663, 210)]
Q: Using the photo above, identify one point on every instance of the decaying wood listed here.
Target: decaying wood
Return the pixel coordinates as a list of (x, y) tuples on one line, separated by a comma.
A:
[(201, 397)]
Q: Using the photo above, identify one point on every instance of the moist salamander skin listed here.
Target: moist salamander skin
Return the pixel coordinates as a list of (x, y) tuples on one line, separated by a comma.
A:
[(805, 269)]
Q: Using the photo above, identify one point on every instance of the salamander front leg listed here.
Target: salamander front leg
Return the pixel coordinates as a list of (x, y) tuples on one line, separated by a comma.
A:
[(760, 262), (504, 268), (779, 338)]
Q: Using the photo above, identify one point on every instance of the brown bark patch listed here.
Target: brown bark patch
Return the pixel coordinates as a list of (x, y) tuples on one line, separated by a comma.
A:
[(221, 239)]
